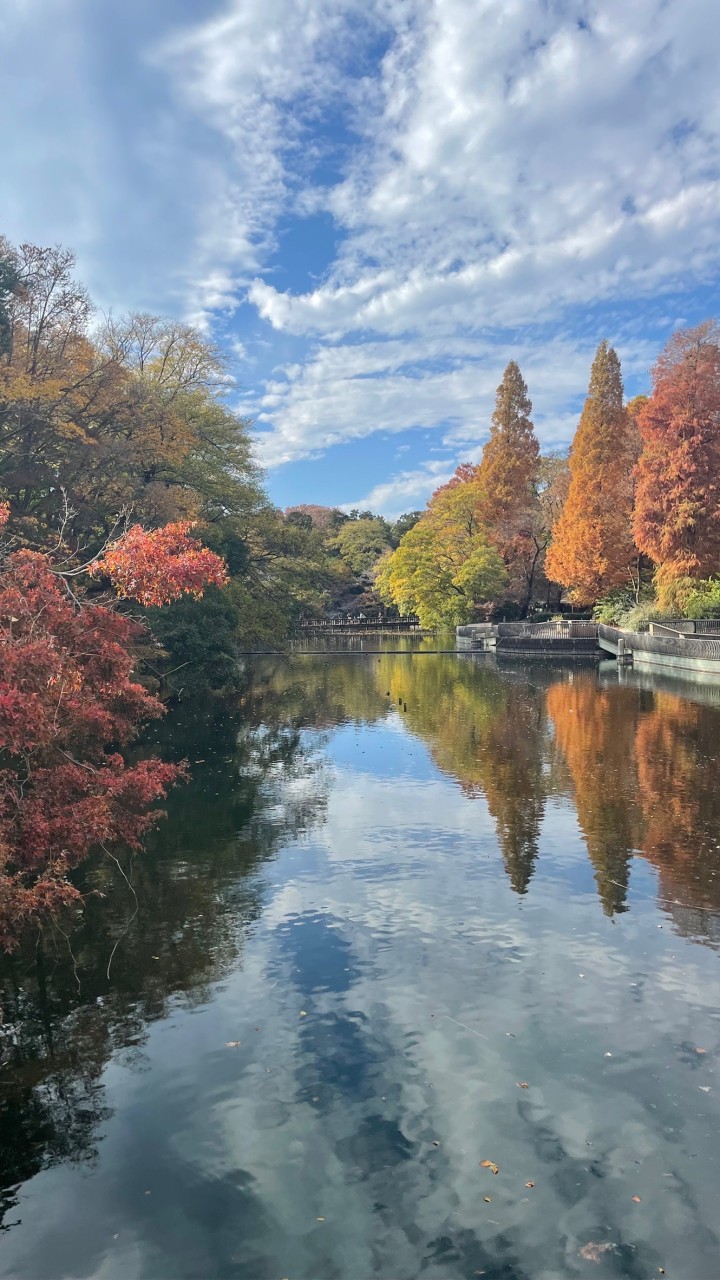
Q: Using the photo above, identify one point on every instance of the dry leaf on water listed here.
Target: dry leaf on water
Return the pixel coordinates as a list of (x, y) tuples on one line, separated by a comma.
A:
[(637, 1200), (522, 1084), (489, 1164), (529, 1184), (487, 1199), (592, 1251)]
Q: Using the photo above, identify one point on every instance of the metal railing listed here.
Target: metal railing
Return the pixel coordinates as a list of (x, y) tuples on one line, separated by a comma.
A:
[(548, 630), (359, 624), (671, 643)]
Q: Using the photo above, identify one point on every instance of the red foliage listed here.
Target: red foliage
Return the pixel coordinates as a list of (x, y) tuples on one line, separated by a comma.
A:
[(157, 566), (67, 703), (677, 501)]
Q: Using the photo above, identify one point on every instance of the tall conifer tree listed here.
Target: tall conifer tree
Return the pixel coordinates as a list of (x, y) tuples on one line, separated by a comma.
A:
[(592, 551), (508, 476)]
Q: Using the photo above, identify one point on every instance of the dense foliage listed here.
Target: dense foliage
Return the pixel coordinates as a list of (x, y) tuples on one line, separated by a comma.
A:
[(483, 536), (132, 415), (69, 703), (630, 522), (592, 550)]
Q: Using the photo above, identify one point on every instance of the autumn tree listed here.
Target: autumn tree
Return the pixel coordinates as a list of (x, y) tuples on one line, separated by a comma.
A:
[(595, 730), (677, 504), (8, 284), (592, 551), (361, 543), (404, 524), (69, 703), (508, 476), (553, 484), (132, 415), (447, 563)]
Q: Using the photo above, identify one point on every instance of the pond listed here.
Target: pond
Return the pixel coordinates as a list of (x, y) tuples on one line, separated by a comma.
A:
[(418, 979)]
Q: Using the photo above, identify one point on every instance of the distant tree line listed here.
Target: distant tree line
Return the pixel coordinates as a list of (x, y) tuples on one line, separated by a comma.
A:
[(629, 522)]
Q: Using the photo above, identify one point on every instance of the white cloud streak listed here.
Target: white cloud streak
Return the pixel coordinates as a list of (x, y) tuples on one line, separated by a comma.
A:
[(501, 176)]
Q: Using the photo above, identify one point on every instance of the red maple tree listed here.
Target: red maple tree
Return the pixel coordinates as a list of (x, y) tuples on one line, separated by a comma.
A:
[(69, 704), (677, 496)]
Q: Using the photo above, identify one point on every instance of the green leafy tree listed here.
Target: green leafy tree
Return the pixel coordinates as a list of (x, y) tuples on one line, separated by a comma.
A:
[(446, 564), (362, 542), (403, 525)]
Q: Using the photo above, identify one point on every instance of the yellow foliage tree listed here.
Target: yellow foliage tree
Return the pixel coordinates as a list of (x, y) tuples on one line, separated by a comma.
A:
[(447, 563)]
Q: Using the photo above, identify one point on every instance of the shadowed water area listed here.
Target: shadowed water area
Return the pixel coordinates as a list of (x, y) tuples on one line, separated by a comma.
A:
[(411, 913)]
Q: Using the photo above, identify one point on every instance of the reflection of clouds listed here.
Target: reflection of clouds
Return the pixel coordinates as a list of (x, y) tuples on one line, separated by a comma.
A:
[(436, 943), (429, 990)]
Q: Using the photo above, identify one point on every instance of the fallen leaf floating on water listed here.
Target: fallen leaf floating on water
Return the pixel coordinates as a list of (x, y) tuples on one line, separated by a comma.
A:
[(522, 1084), (232, 1044), (637, 1200), (592, 1251), (701, 1050), (487, 1199), (489, 1164), (529, 1184)]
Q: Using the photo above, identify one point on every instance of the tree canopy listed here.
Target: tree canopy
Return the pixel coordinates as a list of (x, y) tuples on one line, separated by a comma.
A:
[(446, 563), (592, 549), (677, 506)]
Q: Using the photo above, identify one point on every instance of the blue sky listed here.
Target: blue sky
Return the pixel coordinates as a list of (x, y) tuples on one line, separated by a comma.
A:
[(375, 204)]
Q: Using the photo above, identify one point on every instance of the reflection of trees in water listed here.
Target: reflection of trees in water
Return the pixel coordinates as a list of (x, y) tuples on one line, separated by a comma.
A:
[(677, 764), (595, 730), (488, 732), (643, 770), (640, 764), (196, 896), (317, 691)]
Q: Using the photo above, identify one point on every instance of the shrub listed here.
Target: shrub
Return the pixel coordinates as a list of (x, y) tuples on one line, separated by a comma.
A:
[(704, 600)]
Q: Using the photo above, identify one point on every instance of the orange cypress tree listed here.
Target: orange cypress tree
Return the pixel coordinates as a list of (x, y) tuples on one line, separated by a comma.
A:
[(592, 550), (677, 504), (508, 476)]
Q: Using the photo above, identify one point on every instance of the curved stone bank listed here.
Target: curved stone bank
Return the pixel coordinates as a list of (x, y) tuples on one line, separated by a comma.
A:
[(691, 655), (690, 650)]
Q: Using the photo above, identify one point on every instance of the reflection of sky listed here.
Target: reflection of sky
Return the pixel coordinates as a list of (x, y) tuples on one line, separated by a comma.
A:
[(393, 995)]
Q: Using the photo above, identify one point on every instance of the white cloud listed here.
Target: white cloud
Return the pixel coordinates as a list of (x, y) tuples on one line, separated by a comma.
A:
[(351, 391), (522, 161), (501, 175), (407, 491)]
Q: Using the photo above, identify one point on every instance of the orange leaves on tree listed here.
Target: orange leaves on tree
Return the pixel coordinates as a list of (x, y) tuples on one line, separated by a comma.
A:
[(677, 504), (508, 476), (158, 566), (592, 551)]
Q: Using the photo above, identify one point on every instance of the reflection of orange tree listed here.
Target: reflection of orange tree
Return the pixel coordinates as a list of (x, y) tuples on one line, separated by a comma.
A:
[(676, 746), (595, 730), (486, 733)]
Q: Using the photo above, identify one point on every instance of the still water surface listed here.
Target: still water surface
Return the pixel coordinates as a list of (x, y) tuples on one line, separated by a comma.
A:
[(411, 914)]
